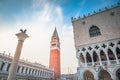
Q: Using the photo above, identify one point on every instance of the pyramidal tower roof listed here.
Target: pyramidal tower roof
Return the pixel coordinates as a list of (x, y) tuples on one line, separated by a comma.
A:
[(55, 34)]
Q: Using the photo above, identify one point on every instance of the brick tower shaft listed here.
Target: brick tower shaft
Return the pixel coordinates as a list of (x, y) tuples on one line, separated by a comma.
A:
[(55, 55)]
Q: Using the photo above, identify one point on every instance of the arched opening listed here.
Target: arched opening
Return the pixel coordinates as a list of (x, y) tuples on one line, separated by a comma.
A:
[(94, 31), (8, 67), (88, 57), (2, 66), (118, 74), (26, 70), (18, 68), (104, 75), (88, 76), (22, 69), (29, 70), (82, 58), (111, 55), (95, 57), (118, 52), (103, 56)]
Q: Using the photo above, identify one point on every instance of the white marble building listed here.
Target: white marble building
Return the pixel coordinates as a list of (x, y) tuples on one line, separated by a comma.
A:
[(97, 43), (69, 76), (26, 70)]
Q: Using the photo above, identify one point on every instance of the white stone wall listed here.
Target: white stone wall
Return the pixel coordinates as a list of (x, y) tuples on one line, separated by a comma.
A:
[(32, 71), (109, 27)]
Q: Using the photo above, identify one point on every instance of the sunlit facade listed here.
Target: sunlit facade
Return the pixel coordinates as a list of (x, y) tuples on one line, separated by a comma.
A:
[(97, 43), (26, 70)]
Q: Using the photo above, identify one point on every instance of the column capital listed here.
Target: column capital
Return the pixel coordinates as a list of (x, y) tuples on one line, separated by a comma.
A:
[(21, 36)]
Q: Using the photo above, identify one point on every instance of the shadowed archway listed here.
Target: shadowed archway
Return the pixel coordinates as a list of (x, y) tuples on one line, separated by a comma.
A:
[(104, 75), (103, 56), (118, 52), (88, 76), (111, 55), (118, 74), (95, 57), (82, 58), (88, 58)]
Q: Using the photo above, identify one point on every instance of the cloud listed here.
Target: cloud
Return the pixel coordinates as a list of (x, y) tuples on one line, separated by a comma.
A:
[(40, 29), (38, 3), (68, 57)]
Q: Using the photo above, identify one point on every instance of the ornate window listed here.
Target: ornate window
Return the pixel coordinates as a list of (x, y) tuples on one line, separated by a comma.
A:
[(94, 31)]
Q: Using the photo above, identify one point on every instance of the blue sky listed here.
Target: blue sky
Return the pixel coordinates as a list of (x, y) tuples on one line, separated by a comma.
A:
[(75, 8), (40, 17)]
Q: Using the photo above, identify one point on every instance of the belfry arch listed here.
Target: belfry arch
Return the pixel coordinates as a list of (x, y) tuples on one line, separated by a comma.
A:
[(88, 75), (82, 58), (103, 56), (118, 52), (111, 55)]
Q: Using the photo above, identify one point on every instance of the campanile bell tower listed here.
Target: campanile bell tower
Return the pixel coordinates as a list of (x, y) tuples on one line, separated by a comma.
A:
[(55, 55)]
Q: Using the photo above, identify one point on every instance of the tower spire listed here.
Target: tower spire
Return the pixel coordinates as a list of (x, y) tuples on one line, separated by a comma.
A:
[(55, 34)]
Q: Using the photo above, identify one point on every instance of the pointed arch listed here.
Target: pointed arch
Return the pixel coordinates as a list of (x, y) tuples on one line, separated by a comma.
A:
[(118, 52), (103, 56), (104, 75), (88, 75), (88, 57), (111, 55), (95, 57), (118, 74), (82, 58)]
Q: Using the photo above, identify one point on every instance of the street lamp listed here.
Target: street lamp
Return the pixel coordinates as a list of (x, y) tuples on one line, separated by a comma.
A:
[(100, 69)]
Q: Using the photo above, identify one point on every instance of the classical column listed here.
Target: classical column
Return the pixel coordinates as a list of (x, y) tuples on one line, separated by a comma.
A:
[(100, 59), (85, 61), (13, 69), (108, 60)]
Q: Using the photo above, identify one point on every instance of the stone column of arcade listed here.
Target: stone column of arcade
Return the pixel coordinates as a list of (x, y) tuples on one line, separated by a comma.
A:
[(21, 37)]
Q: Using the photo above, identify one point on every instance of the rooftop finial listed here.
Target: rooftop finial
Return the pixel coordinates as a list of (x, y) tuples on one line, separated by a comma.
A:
[(118, 3), (94, 12), (88, 14), (99, 9), (84, 16), (106, 8), (71, 18)]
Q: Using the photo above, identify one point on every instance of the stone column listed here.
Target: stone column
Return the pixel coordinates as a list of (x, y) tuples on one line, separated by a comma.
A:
[(116, 56), (108, 60), (13, 69), (85, 62), (0, 63)]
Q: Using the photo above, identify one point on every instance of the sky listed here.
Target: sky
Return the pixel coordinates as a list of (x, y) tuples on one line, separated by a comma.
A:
[(40, 17)]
